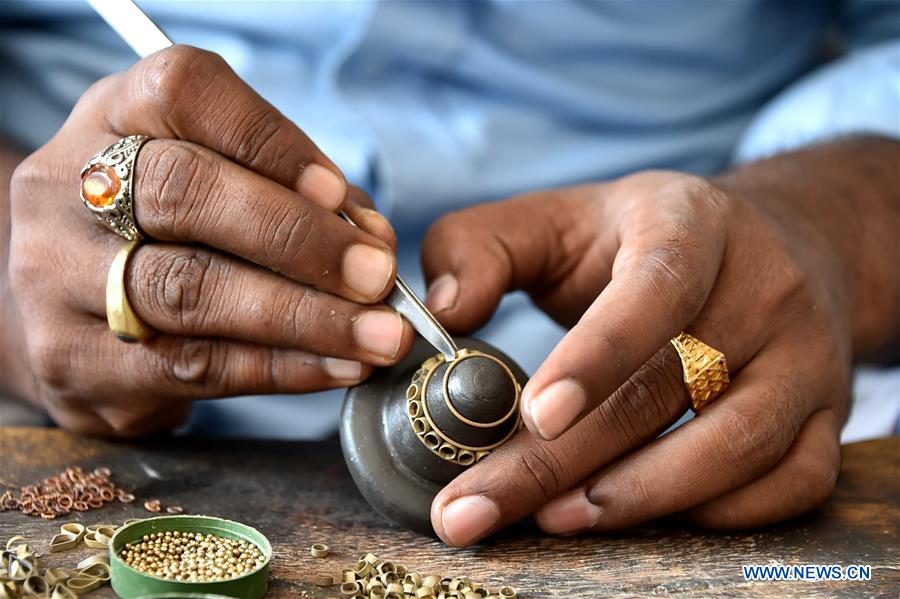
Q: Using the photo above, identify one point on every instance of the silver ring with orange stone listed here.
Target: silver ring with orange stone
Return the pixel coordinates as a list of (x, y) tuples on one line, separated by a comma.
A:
[(107, 186)]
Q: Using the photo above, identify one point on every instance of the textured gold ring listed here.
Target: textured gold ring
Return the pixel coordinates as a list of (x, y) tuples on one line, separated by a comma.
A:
[(107, 186), (705, 370), (120, 317)]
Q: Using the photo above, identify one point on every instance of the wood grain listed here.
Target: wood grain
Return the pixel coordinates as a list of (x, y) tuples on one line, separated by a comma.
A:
[(300, 493)]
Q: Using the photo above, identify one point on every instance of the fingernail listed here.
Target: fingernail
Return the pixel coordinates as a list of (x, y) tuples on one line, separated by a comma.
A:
[(442, 293), (554, 408), (469, 518), (342, 370), (322, 186), (379, 332), (367, 270), (570, 512), (374, 215)]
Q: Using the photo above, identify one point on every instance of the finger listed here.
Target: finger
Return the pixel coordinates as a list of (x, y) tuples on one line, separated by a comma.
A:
[(526, 472), (169, 369), (184, 192), (671, 254), (108, 420), (473, 257), (148, 386), (78, 419), (189, 368), (801, 481), (734, 441), (361, 209), (191, 94), (359, 196), (190, 291)]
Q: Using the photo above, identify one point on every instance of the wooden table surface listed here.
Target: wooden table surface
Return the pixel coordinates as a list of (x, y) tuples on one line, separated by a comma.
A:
[(300, 493)]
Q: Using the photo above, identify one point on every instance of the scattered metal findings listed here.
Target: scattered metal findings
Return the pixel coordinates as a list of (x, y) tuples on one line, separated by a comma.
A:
[(58, 495), (175, 509), (192, 557), (70, 534), (153, 505), (374, 578), (319, 550), (98, 536), (21, 576)]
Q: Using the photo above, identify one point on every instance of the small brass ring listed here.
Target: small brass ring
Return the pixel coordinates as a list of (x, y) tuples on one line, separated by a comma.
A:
[(20, 569), (96, 540), (97, 571), (93, 560), (63, 542), (80, 584), (36, 586), (16, 539), (61, 591), (55, 576), (73, 528)]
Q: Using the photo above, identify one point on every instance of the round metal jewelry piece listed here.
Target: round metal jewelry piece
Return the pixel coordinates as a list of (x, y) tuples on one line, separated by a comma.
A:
[(107, 186), (463, 388), (410, 429)]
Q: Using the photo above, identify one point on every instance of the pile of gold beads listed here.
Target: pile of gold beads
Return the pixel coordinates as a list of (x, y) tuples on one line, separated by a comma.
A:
[(192, 556), (21, 574), (71, 489), (374, 578)]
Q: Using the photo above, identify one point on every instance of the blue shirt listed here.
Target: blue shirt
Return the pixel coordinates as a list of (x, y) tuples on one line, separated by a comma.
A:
[(434, 106)]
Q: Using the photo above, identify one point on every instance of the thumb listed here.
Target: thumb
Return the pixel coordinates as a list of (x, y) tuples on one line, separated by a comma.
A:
[(472, 257)]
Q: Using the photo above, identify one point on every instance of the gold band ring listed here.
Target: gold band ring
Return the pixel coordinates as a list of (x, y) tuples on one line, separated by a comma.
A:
[(705, 370), (120, 317), (107, 186)]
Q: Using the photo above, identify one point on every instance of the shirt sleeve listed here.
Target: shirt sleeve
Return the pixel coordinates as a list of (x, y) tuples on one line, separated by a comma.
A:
[(859, 93)]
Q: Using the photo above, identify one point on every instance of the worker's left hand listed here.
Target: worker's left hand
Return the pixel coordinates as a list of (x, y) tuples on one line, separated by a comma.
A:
[(628, 265)]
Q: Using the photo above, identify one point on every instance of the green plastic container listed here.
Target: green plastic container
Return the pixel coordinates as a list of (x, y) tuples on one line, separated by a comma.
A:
[(128, 583)]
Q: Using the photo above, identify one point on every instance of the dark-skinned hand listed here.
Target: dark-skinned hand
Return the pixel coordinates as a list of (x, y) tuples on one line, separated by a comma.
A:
[(780, 265)]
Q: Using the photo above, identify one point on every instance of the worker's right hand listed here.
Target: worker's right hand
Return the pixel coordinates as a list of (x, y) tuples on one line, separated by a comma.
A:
[(252, 281)]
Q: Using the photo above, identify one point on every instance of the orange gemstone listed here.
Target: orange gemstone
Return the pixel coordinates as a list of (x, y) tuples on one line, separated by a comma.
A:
[(100, 185)]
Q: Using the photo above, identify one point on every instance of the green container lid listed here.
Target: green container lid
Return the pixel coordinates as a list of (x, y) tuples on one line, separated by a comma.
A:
[(129, 583)]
